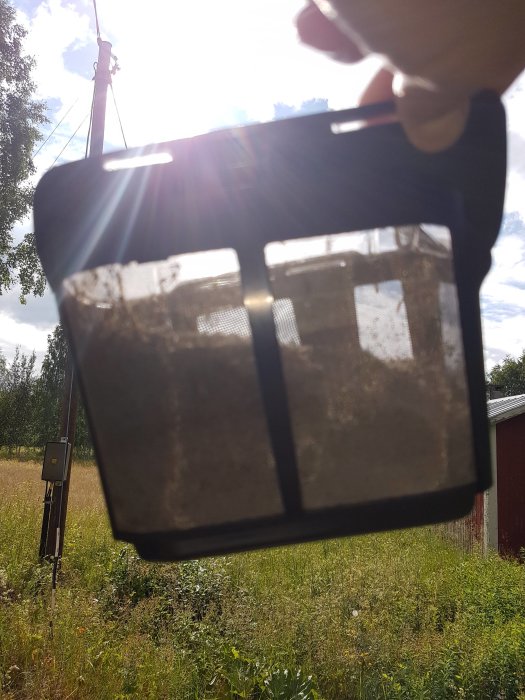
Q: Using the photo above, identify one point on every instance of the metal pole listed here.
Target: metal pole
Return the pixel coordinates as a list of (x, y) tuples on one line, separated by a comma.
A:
[(102, 82), (57, 510), (45, 522)]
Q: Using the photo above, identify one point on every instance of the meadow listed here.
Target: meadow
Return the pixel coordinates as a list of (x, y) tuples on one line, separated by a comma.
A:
[(394, 615)]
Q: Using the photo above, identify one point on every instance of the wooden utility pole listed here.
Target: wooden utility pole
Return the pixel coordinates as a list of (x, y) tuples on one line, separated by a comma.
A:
[(55, 510), (102, 82)]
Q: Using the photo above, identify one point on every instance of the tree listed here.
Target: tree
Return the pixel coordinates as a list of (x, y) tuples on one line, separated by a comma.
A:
[(50, 387), (17, 386), (50, 395), (509, 375), (3, 372), (20, 117), (30, 407)]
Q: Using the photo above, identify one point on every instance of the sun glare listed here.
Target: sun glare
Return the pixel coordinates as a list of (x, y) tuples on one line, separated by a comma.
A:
[(191, 67)]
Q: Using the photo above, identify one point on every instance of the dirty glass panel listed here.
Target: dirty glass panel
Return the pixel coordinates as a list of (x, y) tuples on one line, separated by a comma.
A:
[(170, 381), (376, 385)]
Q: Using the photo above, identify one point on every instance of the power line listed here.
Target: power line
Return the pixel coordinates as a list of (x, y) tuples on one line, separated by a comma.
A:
[(96, 18), (56, 127), (70, 139), (74, 103), (118, 115), (88, 138)]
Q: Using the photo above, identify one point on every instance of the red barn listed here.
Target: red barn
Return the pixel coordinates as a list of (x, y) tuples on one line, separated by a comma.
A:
[(504, 504), (497, 520)]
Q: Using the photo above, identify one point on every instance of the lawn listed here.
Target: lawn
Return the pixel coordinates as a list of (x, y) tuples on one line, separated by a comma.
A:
[(395, 615)]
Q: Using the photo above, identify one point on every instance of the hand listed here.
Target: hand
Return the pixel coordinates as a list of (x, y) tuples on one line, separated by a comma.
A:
[(438, 53)]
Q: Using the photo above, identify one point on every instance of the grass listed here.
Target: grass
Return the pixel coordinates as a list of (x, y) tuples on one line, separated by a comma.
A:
[(396, 615)]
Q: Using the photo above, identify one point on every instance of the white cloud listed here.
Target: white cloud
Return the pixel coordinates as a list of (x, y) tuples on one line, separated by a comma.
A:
[(503, 292), (29, 337), (515, 193), (506, 338), (503, 300), (53, 29), (508, 258), (514, 101)]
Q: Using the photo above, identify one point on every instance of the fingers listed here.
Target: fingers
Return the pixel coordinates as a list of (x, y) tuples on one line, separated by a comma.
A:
[(432, 119), (320, 33), (379, 89)]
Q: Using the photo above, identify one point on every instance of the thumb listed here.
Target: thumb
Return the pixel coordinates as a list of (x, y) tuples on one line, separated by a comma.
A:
[(432, 119)]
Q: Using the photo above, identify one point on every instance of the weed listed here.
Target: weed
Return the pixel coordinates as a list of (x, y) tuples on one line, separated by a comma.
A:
[(243, 677)]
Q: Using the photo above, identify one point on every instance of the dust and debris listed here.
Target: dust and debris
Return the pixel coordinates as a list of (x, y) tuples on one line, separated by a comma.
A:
[(179, 409)]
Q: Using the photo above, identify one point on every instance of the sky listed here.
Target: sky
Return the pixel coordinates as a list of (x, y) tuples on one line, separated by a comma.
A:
[(188, 67)]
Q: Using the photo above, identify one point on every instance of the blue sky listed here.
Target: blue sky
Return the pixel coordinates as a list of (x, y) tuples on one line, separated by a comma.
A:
[(187, 67)]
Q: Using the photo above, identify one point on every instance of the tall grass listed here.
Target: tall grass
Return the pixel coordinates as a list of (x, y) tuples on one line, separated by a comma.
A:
[(397, 615)]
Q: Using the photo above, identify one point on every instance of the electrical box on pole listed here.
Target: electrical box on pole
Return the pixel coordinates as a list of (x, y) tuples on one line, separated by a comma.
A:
[(55, 469), (56, 461)]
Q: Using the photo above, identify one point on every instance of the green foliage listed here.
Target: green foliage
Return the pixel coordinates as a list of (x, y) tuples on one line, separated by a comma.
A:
[(509, 375), (242, 677), (30, 406), (50, 387), (196, 588), (50, 396), (396, 615), (130, 579), (26, 269), (20, 118), (17, 393)]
